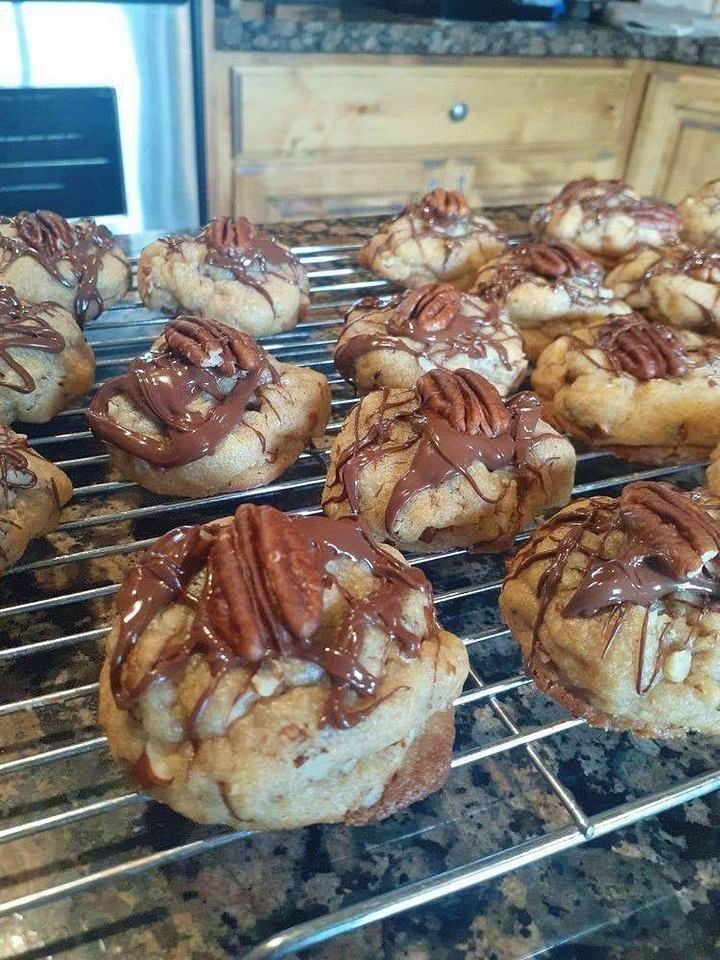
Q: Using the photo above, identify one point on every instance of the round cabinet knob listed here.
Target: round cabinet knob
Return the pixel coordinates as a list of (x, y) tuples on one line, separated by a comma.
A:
[(458, 111)]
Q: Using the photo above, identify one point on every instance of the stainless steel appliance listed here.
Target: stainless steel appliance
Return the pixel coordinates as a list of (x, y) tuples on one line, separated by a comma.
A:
[(99, 111)]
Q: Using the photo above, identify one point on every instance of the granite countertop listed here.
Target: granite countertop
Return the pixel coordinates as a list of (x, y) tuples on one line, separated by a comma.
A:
[(653, 888), (456, 38)]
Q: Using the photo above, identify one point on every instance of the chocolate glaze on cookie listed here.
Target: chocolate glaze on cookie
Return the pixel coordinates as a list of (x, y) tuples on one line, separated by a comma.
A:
[(22, 325), (51, 240), (668, 542), (261, 597), (15, 471), (199, 358), (459, 419), (429, 315)]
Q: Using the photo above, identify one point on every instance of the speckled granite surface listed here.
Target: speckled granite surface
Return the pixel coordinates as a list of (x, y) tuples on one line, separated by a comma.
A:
[(648, 891), (457, 39)]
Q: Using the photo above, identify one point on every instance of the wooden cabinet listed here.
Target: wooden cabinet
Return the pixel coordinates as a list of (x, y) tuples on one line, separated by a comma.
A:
[(296, 137), (677, 146)]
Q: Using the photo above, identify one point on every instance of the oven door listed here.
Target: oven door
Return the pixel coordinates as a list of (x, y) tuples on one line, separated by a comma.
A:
[(97, 112)]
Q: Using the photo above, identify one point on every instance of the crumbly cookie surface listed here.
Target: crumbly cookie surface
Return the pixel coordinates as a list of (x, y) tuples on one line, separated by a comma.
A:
[(615, 605), (675, 284), (32, 493), (232, 272), (447, 464), (700, 213), (45, 361), (76, 265), (437, 240), (644, 391), (392, 341), (546, 288), (207, 410), (289, 672), (606, 218)]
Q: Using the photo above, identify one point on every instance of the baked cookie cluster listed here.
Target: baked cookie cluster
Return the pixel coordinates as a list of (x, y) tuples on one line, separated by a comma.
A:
[(232, 271), (269, 671), (391, 341), (439, 239), (447, 464)]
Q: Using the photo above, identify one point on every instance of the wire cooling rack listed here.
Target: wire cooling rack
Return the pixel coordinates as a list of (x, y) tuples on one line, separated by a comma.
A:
[(60, 789)]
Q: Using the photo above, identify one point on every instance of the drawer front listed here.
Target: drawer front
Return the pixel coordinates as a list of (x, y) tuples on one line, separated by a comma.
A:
[(307, 109)]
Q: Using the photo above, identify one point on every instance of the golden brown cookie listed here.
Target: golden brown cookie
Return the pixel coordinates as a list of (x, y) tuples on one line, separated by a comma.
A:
[(447, 464), (616, 606), (700, 213), (642, 391), (208, 410), (439, 239), (76, 265), (546, 289), (392, 341), (232, 271), (271, 671), (675, 284), (606, 218), (32, 493)]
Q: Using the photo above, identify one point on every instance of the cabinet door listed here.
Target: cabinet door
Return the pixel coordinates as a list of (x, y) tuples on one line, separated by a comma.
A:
[(677, 145)]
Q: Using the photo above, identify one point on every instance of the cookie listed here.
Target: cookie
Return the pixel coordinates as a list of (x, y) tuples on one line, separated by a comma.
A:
[(76, 265), (438, 239), (642, 391), (32, 493), (207, 410), (232, 271), (700, 213), (675, 284), (270, 671), (546, 289), (392, 341), (615, 605), (606, 218), (45, 361), (447, 464)]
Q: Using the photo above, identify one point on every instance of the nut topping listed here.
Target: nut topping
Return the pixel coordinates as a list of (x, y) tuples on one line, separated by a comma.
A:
[(209, 344), (553, 260), (431, 307), (679, 532), (467, 401), (645, 351), (228, 234), (702, 265), (267, 591), (447, 204), (44, 229)]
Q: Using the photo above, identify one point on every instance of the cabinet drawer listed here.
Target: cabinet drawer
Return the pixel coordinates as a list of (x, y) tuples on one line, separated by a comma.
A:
[(307, 109)]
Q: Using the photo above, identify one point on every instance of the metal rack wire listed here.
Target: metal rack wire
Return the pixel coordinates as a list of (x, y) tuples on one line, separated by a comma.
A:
[(51, 630)]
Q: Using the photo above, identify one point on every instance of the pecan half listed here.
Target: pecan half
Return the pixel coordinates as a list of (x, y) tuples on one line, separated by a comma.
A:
[(211, 345), (431, 307), (702, 264), (447, 204), (45, 229), (227, 234), (557, 259), (642, 349), (675, 529), (467, 401), (267, 586)]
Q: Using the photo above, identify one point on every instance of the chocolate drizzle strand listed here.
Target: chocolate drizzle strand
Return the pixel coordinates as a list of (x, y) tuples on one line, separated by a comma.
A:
[(653, 545), (70, 252), (424, 322), (457, 420), (15, 471), (23, 326), (195, 385), (254, 586)]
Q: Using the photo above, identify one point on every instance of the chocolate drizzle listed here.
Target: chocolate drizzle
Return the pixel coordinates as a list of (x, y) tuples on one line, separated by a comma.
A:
[(22, 325), (458, 419), (254, 585), (654, 544), (15, 471), (55, 243), (198, 359), (436, 318)]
